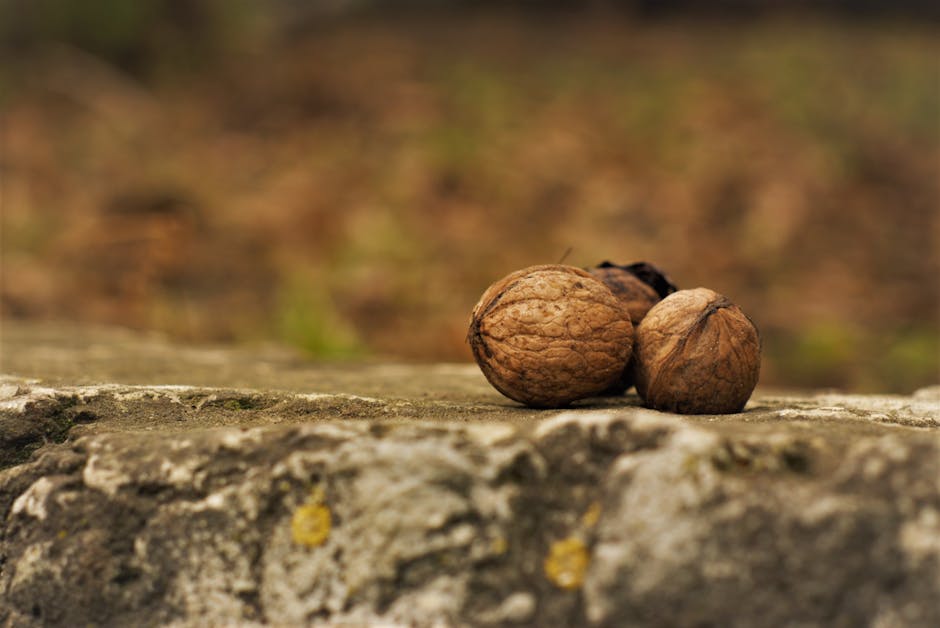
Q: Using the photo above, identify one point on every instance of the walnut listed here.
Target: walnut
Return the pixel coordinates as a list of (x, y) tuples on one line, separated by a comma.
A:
[(696, 353), (548, 335), (640, 286)]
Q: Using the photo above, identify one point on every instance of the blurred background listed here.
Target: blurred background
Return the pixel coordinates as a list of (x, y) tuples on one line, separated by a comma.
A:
[(347, 176)]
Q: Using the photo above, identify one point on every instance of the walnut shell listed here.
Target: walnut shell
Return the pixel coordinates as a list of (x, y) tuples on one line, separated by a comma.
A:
[(548, 335), (640, 286), (696, 353)]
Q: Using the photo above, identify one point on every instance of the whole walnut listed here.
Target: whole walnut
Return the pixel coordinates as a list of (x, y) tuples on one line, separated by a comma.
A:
[(640, 286), (548, 335), (696, 353)]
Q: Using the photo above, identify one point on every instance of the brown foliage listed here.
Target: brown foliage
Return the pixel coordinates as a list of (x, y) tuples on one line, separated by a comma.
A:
[(359, 188)]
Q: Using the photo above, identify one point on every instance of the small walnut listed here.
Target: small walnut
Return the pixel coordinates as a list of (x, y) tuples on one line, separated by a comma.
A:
[(640, 286), (696, 353), (548, 335)]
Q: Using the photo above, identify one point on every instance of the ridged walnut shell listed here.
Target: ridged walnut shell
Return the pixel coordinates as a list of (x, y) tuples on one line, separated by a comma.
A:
[(696, 353), (548, 335), (639, 286)]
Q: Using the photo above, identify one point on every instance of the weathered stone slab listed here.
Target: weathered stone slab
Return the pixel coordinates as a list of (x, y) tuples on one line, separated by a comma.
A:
[(155, 491)]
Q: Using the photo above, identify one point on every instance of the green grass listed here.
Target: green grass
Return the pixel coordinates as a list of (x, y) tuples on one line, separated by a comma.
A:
[(308, 319)]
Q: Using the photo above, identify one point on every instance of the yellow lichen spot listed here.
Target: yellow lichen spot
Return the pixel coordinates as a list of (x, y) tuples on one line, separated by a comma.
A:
[(310, 525), (566, 563), (592, 515), (499, 545)]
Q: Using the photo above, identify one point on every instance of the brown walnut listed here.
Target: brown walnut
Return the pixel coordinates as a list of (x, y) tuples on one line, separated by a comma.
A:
[(640, 286), (696, 353), (548, 335)]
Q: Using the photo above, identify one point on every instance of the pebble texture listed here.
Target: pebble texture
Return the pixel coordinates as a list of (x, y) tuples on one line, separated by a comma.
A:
[(447, 505), (548, 335)]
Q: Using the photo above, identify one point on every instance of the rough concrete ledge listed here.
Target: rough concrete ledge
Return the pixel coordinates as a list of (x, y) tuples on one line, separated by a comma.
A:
[(416, 495)]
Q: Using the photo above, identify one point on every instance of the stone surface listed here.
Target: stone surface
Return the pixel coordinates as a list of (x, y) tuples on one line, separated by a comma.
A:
[(149, 484)]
